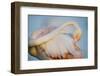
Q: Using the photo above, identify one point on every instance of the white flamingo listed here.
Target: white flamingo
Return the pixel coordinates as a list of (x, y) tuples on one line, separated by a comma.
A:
[(55, 43)]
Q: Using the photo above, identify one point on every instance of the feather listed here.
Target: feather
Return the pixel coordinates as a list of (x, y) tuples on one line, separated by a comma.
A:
[(56, 43)]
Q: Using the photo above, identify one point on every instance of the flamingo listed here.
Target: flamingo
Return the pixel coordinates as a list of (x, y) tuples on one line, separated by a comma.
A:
[(56, 43)]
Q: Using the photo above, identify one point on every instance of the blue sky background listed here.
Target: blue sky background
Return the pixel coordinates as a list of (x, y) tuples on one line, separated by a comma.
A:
[(36, 22)]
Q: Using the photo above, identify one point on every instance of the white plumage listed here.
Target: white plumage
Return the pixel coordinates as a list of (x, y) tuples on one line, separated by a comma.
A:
[(56, 43)]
